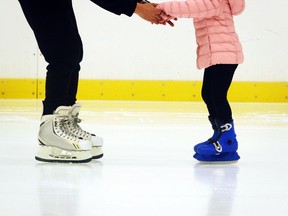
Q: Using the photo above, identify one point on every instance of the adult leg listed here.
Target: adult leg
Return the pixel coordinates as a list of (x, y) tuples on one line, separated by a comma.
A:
[(55, 29)]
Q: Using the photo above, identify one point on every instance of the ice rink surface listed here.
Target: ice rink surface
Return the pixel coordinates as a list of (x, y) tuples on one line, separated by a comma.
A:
[(147, 168)]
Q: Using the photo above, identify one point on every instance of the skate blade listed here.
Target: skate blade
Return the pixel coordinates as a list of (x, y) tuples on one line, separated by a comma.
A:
[(97, 152), (218, 162), (225, 158), (57, 155)]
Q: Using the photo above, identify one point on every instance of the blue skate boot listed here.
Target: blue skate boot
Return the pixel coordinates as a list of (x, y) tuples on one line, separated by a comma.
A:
[(214, 136), (221, 149)]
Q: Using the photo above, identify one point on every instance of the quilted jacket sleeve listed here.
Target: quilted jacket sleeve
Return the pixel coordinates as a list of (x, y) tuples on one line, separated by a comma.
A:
[(192, 8)]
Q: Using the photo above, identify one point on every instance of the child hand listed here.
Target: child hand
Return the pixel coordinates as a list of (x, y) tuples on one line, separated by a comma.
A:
[(166, 19)]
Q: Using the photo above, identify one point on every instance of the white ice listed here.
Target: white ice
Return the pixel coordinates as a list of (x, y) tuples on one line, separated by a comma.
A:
[(148, 168)]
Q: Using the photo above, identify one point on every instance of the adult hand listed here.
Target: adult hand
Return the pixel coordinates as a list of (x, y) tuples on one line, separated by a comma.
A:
[(149, 12)]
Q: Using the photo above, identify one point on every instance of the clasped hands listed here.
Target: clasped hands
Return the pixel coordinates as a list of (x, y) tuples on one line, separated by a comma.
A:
[(151, 13), (165, 18)]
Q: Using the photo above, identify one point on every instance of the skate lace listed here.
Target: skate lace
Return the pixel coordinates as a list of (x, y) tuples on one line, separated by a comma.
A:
[(62, 130), (75, 128)]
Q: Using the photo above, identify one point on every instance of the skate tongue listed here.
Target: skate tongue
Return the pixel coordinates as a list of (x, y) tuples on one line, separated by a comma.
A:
[(75, 109), (62, 110)]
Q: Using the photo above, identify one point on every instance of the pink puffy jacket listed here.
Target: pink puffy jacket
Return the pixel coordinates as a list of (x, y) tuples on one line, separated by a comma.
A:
[(217, 41)]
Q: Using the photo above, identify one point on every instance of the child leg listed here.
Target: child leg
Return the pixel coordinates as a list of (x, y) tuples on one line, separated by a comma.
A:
[(222, 146)]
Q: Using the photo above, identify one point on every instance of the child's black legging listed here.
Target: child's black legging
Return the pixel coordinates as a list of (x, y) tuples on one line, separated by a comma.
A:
[(216, 82), (55, 29)]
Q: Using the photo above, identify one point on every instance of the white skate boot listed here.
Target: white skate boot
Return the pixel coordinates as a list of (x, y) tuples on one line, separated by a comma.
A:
[(96, 141), (57, 143)]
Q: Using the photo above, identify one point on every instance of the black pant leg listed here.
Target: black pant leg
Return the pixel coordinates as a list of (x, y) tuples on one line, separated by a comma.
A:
[(206, 92), (216, 83), (54, 25)]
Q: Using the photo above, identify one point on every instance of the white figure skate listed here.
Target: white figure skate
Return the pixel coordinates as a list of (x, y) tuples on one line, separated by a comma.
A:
[(57, 143)]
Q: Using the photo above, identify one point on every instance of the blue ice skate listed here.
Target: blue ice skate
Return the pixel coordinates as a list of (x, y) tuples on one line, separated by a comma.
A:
[(214, 136), (222, 148)]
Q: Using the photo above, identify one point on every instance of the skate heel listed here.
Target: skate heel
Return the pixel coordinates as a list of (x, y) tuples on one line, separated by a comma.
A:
[(55, 154)]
